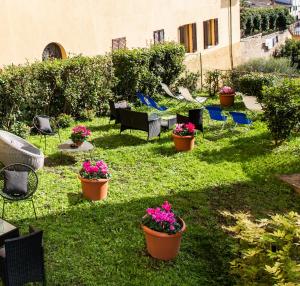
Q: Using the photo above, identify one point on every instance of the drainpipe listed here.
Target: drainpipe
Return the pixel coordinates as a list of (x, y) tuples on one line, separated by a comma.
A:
[(230, 35)]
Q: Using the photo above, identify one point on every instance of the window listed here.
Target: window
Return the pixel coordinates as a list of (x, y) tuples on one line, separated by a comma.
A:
[(188, 37), (119, 43), (53, 51), (159, 36), (211, 33)]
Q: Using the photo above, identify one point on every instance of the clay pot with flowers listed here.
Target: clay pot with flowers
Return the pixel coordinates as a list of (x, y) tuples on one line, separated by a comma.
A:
[(163, 231), (226, 96), (184, 136), (79, 134), (94, 180)]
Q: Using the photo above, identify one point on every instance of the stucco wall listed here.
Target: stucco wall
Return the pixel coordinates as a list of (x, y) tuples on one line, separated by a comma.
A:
[(88, 26)]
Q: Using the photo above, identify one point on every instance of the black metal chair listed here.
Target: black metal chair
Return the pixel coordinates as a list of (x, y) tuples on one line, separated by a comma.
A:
[(22, 259), (46, 126), (195, 117), (18, 182), (114, 109)]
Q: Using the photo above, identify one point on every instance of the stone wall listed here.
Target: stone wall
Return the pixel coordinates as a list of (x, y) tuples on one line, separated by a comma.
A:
[(255, 46)]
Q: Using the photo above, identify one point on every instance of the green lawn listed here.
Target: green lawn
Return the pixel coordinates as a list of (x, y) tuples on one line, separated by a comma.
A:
[(101, 243)]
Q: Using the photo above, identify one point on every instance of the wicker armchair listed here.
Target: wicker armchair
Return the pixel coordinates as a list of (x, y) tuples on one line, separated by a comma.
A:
[(46, 126), (22, 259), (140, 121), (18, 182)]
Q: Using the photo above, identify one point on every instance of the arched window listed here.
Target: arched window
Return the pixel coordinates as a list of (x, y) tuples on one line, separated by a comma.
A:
[(53, 51)]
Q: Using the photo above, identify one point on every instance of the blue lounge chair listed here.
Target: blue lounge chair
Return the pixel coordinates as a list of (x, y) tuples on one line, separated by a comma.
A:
[(143, 99), (240, 118), (215, 113), (154, 104)]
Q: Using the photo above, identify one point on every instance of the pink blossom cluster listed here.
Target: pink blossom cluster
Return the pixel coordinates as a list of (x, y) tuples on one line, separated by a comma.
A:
[(100, 166), (227, 90), (184, 129), (82, 130), (163, 215)]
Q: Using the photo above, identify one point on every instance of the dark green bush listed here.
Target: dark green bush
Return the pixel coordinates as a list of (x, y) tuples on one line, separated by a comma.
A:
[(264, 20), (20, 129), (144, 69), (53, 87), (87, 114), (282, 108), (64, 120), (189, 80), (213, 81), (291, 50)]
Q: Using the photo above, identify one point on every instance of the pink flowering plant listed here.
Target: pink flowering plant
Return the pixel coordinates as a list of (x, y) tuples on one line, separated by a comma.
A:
[(185, 129), (227, 90), (99, 170), (80, 133), (162, 219)]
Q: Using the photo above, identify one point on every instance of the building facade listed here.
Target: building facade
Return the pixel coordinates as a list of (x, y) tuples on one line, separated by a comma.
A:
[(37, 29), (293, 6)]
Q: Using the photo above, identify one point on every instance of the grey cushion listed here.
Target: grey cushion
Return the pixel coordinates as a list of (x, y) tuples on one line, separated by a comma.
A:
[(44, 124), (16, 182)]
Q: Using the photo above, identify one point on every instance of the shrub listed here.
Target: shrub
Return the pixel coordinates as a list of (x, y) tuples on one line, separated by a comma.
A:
[(290, 50), (64, 120), (189, 80), (144, 69), (282, 108), (269, 65), (213, 82), (268, 250), (20, 129), (87, 114)]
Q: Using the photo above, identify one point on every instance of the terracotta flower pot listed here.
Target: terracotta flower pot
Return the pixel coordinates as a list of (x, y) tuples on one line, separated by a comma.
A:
[(77, 143), (183, 143), (162, 245), (226, 100), (94, 190)]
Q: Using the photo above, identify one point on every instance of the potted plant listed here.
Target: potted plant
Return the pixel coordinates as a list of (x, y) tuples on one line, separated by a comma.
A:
[(226, 96), (163, 231), (79, 134), (184, 136), (94, 180)]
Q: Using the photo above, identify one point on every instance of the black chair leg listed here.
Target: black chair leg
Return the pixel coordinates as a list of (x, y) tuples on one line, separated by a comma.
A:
[(34, 209), (3, 209)]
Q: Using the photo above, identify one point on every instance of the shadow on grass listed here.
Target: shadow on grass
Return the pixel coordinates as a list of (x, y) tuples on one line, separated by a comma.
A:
[(106, 127), (58, 159)]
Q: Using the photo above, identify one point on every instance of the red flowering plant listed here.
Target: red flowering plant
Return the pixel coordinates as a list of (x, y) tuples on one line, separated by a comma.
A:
[(227, 90), (162, 219), (80, 133), (90, 171), (185, 129)]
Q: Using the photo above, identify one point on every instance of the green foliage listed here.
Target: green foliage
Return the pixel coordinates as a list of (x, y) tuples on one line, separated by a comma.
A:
[(269, 65), (253, 83), (268, 251), (64, 120), (54, 87), (87, 114), (282, 108), (144, 69), (264, 20), (188, 80), (20, 129), (290, 50), (213, 81)]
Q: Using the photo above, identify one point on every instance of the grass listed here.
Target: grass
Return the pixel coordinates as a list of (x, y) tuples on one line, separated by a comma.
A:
[(101, 243)]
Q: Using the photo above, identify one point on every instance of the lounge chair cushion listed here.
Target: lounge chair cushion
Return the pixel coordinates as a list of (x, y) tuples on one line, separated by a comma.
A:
[(15, 182), (44, 124)]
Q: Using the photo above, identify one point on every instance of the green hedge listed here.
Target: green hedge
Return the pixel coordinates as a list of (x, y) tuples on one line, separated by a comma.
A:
[(144, 69), (54, 87), (291, 50), (264, 20)]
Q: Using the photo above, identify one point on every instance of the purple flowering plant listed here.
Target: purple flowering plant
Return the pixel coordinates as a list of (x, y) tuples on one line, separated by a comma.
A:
[(80, 133), (162, 219), (99, 170), (184, 129), (227, 90)]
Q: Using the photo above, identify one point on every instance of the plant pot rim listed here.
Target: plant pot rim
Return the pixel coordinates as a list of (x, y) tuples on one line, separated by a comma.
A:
[(92, 180), (162, 234), (187, 136), (227, 94)]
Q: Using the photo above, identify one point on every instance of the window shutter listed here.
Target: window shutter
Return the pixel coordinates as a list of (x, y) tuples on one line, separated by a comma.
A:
[(194, 37), (216, 32), (205, 34), (181, 34)]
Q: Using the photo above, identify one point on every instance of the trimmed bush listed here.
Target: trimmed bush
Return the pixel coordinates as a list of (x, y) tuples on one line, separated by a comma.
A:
[(290, 50), (188, 80), (144, 69), (53, 87), (64, 120), (282, 108), (20, 129)]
